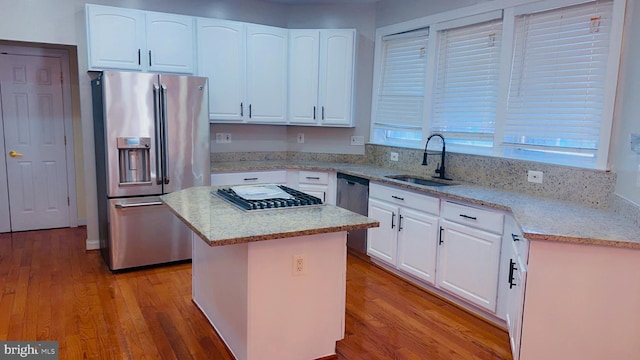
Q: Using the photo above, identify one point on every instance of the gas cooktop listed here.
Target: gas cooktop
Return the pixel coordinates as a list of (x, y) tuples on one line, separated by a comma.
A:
[(266, 197)]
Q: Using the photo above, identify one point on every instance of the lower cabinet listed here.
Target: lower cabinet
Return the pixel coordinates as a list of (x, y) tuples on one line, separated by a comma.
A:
[(452, 247), (515, 264), (408, 234), (250, 178), (321, 184)]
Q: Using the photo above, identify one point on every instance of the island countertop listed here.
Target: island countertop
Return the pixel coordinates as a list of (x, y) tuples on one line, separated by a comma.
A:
[(218, 222)]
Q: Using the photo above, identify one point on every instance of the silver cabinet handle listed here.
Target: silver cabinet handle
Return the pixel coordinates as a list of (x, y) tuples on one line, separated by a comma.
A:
[(131, 205)]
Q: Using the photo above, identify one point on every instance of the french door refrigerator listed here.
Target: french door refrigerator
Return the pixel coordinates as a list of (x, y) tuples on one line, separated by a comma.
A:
[(152, 138)]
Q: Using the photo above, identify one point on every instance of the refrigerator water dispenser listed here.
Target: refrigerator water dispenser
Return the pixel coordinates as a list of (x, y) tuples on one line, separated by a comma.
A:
[(134, 160)]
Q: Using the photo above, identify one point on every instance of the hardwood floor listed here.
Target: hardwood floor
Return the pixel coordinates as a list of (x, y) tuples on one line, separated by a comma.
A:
[(52, 289)]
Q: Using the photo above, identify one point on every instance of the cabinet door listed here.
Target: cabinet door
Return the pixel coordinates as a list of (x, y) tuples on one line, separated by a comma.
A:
[(468, 264), (336, 77), (382, 241), (417, 244), (221, 58), (303, 76), (515, 304), (267, 74), (170, 43), (115, 38)]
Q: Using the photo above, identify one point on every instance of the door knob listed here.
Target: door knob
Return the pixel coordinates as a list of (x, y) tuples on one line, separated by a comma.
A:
[(14, 154)]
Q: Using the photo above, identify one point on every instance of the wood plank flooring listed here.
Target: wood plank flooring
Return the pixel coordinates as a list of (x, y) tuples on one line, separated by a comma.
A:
[(52, 289)]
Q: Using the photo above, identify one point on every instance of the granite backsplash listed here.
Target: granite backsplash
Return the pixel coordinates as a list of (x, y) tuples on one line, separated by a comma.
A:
[(594, 188)]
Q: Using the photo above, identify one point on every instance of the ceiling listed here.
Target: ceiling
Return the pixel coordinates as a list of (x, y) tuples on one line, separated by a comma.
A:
[(321, 1)]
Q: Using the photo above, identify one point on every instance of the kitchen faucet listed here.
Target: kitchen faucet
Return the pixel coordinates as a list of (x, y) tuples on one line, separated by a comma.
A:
[(440, 167)]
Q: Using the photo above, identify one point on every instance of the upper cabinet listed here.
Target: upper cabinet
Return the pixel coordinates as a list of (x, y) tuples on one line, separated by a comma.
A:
[(247, 69), (267, 74), (127, 39), (321, 77), (222, 58)]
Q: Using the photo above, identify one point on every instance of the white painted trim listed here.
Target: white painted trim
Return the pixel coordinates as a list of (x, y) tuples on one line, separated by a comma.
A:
[(63, 55), (91, 244), (511, 9)]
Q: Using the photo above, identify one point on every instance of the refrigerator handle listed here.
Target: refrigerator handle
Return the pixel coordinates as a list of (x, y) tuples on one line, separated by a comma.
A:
[(165, 130), (158, 133)]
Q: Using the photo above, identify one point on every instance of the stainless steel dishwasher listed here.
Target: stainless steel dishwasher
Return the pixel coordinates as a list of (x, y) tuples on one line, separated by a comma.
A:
[(353, 194)]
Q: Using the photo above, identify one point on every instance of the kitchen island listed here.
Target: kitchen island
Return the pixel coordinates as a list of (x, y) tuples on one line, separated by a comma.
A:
[(272, 283)]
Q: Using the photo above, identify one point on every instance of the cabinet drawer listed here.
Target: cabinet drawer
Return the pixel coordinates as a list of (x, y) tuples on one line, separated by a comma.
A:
[(479, 218), (247, 178), (313, 177), (405, 198)]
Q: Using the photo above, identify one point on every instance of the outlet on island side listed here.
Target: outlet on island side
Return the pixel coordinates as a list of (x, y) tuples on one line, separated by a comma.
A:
[(300, 138), (394, 156), (534, 176), (299, 266)]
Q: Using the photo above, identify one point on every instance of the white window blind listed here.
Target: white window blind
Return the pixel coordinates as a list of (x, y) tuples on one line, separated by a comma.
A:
[(558, 79), (400, 96), (466, 89)]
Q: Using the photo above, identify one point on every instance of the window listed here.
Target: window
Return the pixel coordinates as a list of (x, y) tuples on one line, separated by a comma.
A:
[(465, 96), (398, 109), (535, 84), (556, 95)]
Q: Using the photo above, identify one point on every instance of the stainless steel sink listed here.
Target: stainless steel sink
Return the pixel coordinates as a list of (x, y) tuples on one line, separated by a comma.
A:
[(420, 181)]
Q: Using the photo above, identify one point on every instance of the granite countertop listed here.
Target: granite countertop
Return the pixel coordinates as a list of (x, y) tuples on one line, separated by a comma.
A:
[(220, 223), (539, 218)]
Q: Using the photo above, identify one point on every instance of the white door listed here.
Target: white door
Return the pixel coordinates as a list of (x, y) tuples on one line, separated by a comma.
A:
[(336, 77), (468, 264), (382, 241), (115, 38), (34, 137), (267, 74), (418, 244), (303, 76), (170, 43), (221, 58)]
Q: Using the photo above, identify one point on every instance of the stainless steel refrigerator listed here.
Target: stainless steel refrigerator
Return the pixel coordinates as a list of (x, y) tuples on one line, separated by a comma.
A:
[(152, 138)]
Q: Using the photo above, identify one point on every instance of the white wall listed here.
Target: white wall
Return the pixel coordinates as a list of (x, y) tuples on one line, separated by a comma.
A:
[(625, 162)]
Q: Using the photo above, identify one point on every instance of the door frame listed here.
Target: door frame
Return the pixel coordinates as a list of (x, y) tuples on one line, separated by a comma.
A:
[(63, 56)]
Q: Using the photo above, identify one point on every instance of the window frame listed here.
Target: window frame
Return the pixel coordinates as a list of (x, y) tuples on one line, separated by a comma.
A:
[(510, 9)]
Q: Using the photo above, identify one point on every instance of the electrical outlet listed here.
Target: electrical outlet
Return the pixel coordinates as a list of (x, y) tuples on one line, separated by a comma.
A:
[(534, 176), (227, 138), (394, 156), (219, 138), (300, 138), (357, 140), (299, 266)]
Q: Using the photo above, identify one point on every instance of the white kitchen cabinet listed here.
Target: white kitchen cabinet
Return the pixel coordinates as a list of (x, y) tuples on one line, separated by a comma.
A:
[(115, 38), (266, 74), (468, 263), (128, 39), (321, 184), (408, 233), (170, 43), (222, 59), (321, 68), (247, 69), (249, 178)]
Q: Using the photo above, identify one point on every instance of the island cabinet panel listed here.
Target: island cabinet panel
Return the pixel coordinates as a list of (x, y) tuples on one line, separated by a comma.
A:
[(581, 302), (263, 306)]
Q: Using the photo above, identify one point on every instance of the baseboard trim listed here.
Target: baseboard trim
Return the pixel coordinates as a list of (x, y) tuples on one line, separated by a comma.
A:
[(92, 244)]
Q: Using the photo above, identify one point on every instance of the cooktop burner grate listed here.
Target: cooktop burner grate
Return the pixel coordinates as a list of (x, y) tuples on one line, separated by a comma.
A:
[(298, 199)]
